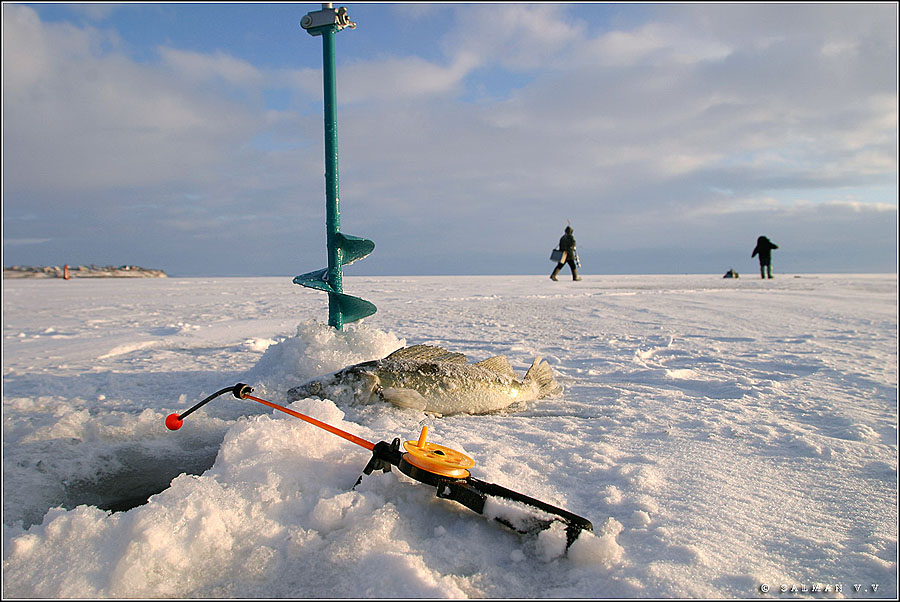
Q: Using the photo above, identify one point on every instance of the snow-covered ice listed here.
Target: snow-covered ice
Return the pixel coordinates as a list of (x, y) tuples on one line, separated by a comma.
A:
[(723, 436)]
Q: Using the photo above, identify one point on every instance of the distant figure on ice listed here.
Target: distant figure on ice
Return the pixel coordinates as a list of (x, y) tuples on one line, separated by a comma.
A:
[(567, 255), (731, 274), (764, 248)]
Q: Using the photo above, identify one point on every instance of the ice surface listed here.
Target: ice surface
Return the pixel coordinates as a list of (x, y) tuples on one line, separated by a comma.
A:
[(720, 434)]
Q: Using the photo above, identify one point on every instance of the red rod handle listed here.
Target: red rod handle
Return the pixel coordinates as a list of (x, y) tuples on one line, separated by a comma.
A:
[(336, 431)]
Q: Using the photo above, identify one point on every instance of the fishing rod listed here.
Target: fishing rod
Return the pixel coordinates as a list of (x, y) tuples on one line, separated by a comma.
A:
[(441, 467)]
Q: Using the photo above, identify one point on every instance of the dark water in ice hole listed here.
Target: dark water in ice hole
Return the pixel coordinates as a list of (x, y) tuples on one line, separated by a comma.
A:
[(132, 487), (139, 474)]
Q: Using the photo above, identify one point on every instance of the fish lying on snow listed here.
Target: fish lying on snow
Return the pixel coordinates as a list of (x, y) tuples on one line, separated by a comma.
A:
[(429, 378)]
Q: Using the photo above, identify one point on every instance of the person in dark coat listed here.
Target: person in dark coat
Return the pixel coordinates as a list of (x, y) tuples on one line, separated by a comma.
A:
[(764, 248), (567, 246)]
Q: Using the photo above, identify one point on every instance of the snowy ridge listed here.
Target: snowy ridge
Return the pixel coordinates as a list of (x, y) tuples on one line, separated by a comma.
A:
[(722, 438)]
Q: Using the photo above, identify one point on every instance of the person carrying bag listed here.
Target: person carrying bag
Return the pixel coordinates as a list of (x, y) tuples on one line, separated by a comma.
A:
[(565, 254)]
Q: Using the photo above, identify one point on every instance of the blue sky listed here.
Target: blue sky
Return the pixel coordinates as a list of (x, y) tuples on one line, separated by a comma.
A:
[(189, 137)]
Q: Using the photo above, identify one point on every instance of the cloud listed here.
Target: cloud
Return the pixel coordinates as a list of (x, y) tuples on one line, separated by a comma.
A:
[(196, 66), (683, 128), (15, 242), (653, 43), (79, 116), (515, 36), (97, 11)]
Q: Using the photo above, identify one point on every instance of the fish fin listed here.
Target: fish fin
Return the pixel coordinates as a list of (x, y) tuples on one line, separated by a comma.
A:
[(498, 364), (428, 353), (369, 383), (404, 398), (541, 374)]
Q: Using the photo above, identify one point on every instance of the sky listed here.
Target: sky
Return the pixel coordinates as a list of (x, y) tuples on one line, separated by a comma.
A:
[(189, 137)]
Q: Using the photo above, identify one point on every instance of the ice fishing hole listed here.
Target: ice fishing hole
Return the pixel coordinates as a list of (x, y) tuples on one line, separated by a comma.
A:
[(138, 474)]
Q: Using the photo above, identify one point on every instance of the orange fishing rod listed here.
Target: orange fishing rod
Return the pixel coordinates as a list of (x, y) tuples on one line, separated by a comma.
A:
[(242, 391), (444, 468), (331, 429)]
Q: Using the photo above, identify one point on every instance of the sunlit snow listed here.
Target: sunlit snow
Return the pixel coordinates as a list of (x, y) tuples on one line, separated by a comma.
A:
[(724, 437)]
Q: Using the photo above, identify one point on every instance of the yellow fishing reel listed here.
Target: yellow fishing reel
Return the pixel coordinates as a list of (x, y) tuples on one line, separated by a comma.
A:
[(447, 470), (430, 463), (435, 459)]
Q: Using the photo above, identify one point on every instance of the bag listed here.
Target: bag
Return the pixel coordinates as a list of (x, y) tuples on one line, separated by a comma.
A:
[(558, 256)]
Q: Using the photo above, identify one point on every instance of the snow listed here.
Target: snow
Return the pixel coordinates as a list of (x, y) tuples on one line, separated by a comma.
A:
[(721, 435)]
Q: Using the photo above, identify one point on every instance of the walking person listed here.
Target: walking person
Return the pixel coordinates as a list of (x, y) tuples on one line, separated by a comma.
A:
[(764, 248), (569, 256)]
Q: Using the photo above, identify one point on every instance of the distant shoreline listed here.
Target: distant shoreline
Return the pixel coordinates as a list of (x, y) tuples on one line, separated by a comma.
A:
[(82, 271)]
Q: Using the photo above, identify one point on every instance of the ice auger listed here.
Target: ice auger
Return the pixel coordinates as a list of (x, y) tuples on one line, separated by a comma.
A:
[(441, 467), (342, 249)]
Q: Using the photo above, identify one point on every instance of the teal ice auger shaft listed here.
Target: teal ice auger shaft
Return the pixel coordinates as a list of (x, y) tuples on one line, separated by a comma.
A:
[(342, 249)]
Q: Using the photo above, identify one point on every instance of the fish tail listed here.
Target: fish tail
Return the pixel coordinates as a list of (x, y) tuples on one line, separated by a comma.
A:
[(541, 375)]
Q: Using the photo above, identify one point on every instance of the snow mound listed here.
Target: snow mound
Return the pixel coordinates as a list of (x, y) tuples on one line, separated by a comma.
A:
[(319, 349)]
